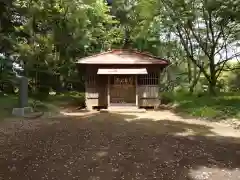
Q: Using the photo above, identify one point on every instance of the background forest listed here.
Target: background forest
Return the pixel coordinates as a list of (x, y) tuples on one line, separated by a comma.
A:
[(42, 39)]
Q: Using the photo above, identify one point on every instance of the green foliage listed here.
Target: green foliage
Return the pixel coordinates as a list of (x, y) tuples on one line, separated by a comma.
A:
[(68, 99), (225, 105), (53, 103), (6, 75), (7, 102), (167, 98), (206, 30), (52, 35), (233, 79)]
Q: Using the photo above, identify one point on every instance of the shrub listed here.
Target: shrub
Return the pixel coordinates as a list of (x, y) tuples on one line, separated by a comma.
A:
[(74, 98), (224, 105), (167, 98), (79, 102)]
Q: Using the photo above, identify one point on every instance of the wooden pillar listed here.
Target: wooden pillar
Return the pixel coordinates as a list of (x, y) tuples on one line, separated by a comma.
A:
[(23, 92), (136, 83), (159, 86), (86, 93), (108, 91)]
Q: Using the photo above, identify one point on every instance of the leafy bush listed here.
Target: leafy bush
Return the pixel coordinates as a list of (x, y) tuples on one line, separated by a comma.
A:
[(79, 100), (71, 98), (167, 98), (173, 97), (225, 105)]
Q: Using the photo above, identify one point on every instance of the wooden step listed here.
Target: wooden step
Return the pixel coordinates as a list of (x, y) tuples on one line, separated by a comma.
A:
[(123, 109)]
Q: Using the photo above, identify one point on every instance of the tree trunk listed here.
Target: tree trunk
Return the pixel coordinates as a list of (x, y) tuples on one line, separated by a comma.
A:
[(189, 70), (195, 80), (127, 40), (212, 87), (213, 81)]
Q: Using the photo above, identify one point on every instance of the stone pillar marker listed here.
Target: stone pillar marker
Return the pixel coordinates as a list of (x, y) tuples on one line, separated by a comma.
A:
[(23, 107), (23, 92)]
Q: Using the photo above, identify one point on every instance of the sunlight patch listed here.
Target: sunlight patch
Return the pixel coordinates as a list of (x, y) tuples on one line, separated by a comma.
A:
[(204, 173), (102, 153)]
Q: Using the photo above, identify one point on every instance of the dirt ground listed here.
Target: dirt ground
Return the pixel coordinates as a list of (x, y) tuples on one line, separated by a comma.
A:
[(107, 146)]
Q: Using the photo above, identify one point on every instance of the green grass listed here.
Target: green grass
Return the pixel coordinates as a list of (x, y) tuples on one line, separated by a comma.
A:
[(7, 103), (53, 103), (222, 106)]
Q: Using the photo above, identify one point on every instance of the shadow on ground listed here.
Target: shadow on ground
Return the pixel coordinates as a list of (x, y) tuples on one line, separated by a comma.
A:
[(111, 146)]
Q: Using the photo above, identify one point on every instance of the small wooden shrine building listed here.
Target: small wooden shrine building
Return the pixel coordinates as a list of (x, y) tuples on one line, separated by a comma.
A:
[(121, 78)]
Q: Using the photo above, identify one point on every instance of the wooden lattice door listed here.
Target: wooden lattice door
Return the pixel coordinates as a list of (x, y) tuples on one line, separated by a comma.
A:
[(122, 90)]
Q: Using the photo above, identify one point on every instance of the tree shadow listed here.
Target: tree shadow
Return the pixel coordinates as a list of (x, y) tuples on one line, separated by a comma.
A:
[(117, 146)]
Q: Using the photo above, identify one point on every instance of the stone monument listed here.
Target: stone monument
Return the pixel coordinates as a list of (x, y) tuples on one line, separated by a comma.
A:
[(23, 107)]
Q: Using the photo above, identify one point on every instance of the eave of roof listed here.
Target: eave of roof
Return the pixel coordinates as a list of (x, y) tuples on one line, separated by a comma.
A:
[(114, 57)]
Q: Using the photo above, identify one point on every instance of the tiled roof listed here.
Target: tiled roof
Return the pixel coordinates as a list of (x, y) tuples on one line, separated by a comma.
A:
[(120, 56)]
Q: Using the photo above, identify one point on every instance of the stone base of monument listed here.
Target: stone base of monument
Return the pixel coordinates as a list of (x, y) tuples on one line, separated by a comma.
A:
[(22, 111)]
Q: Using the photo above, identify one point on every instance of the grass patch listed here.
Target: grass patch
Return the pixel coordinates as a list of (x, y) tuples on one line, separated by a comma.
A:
[(72, 98), (222, 106), (55, 103), (51, 104), (7, 103)]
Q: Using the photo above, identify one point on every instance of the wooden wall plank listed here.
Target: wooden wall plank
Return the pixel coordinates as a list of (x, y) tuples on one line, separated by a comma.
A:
[(148, 91)]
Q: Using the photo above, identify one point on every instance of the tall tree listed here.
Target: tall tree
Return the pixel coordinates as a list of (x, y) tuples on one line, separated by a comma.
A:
[(205, 26), (59, 31)]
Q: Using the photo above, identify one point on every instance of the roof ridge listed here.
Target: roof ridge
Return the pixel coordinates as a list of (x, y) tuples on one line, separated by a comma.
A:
[(134, 51), (140, 52)]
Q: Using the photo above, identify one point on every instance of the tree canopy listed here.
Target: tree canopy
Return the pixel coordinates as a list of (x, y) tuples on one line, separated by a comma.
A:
[(44, 37)]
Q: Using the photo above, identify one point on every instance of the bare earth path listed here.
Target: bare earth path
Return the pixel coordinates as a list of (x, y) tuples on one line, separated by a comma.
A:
[(152, 145)]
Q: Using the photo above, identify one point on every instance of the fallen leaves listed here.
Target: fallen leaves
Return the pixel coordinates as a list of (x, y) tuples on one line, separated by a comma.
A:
[(93, 151)]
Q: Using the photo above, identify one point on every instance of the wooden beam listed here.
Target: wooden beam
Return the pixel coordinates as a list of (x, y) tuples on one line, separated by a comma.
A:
[(108, 91)]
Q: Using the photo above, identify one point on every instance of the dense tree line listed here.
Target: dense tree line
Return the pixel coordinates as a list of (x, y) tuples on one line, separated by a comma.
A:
[(45, 37)]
